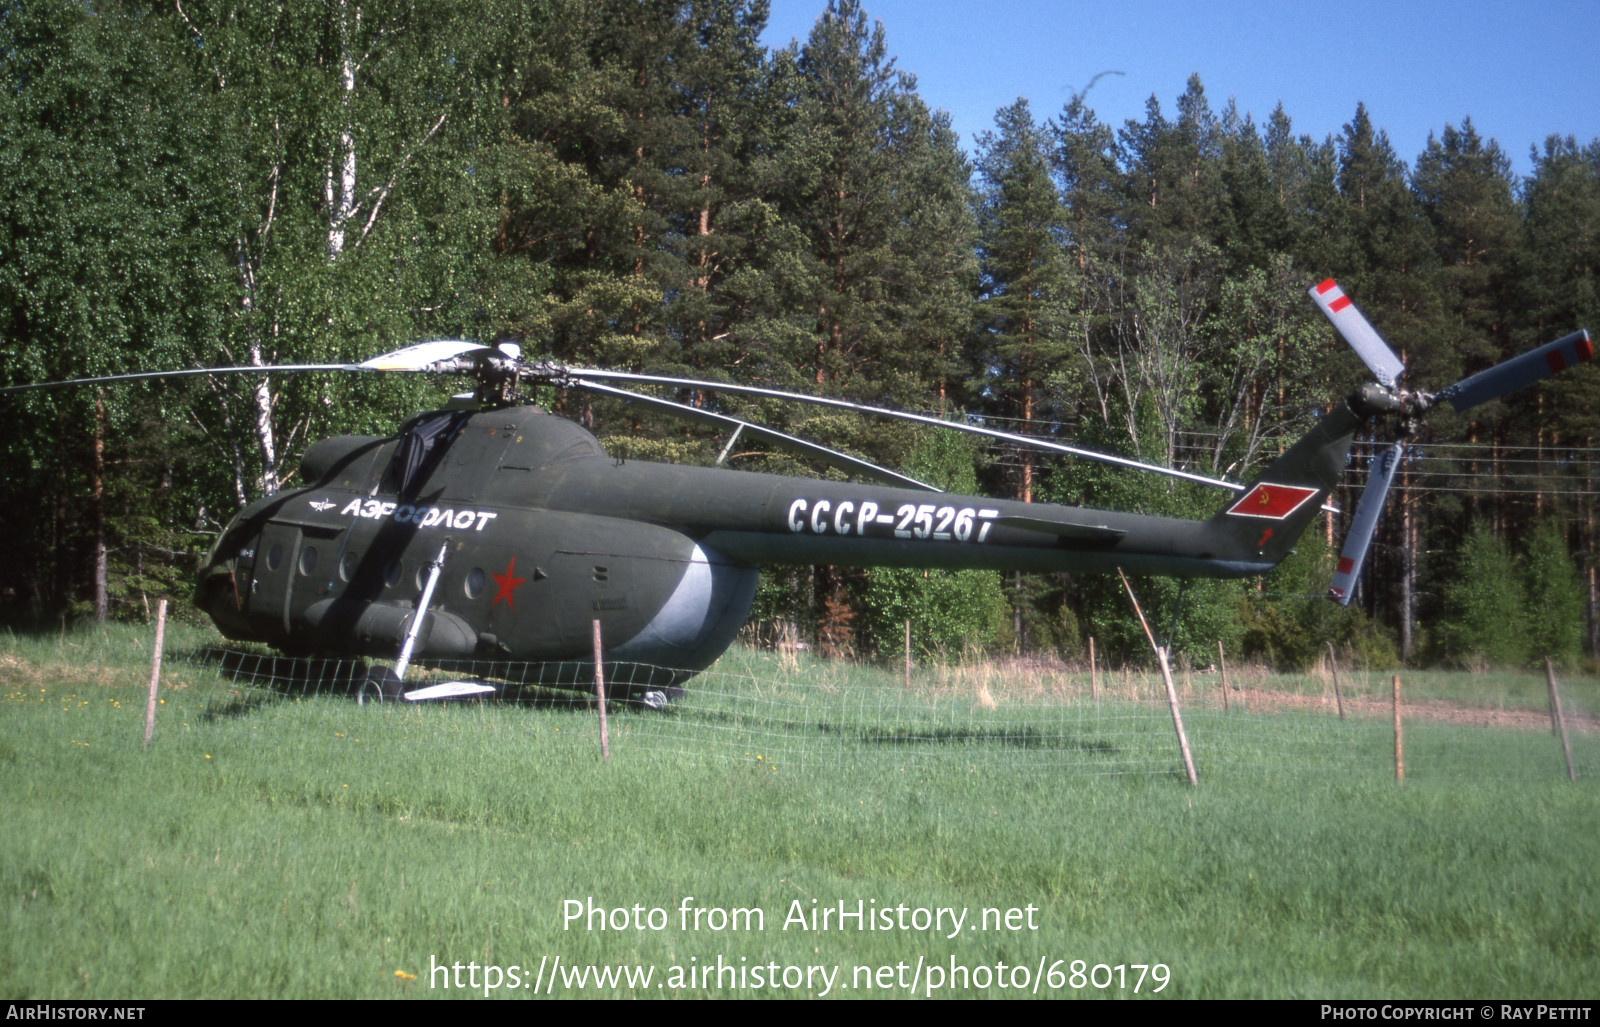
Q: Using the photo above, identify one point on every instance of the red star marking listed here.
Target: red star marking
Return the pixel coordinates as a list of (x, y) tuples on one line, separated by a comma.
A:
[(506, 583)]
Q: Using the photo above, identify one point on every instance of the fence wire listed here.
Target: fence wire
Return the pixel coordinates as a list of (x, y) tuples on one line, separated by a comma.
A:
[(1023, 717)]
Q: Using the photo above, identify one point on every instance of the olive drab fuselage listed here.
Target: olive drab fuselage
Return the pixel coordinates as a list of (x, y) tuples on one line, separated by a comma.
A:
[(543, 534)]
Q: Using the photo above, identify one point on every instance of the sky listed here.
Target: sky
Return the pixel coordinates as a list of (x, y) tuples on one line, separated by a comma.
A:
[(1520, 69)]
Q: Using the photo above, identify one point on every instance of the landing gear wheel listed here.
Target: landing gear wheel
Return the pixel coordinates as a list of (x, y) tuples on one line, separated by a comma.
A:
[(380, 685), (658, 697)]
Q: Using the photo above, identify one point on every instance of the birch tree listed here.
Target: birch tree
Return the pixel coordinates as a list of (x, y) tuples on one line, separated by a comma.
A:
[(331, 113)]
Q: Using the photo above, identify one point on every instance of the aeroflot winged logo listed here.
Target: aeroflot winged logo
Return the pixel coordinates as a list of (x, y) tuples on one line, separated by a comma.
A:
[(1272, 502)]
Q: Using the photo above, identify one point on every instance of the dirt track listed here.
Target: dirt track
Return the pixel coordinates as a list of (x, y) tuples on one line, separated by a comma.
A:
[(1266, 700), (1028, 677)]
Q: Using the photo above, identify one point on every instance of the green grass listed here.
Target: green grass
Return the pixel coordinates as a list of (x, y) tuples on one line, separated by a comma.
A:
[(300, 846)]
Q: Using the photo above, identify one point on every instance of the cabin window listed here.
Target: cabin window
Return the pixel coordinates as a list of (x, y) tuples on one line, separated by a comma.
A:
[(274, 556), (475, 582), (308, 560)]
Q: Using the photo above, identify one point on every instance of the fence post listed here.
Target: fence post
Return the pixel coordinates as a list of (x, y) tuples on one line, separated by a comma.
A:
[(1561, 721), (1399, 748), (908, 654), (1166, 679), (600, 694), (1338, 697), (1222, 664), (155, 674)]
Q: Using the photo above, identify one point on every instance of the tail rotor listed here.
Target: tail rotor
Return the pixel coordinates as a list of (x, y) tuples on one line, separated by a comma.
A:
[(1389, 397)]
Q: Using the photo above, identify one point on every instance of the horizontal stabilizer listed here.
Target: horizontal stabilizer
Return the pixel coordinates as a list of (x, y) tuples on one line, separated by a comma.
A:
[(1063, 529)]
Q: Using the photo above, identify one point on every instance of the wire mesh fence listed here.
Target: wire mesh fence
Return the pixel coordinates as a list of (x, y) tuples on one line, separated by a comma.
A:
[(1049, 717)]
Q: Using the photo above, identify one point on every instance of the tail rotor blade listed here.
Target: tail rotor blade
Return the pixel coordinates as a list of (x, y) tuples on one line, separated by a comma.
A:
[(1551, 358), (1365, 524), (1358, 332)]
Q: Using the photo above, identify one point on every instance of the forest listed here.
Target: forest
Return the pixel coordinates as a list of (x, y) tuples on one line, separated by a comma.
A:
[(642, 185)]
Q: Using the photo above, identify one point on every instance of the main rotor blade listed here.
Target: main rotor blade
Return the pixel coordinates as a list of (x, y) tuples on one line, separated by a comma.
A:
[(1358, 332), (833, 457), (420, 357), (1549, 359), (1365, 523), (183, 373), (578, 375)]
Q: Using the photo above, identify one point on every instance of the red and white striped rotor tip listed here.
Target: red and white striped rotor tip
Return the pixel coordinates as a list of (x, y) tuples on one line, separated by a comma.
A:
[(1358, 332)]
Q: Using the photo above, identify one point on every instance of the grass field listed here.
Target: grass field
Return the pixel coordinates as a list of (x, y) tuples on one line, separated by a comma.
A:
[(297, 845)]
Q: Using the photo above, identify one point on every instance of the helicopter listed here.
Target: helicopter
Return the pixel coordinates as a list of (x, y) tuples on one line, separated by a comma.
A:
[(494, 532)]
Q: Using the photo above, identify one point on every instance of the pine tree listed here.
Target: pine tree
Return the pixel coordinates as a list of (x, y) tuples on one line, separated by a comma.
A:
[(1024, 316), (873, 184), (718, 225), (1558, 289), (1174, 171), (1555, 597), (877, 191), (1486, 622), (1378, 248), (1463, 187), (1299, 173), (1084, 161), (587, 111), (1176, 202), (1558, 273), (1255, 221)]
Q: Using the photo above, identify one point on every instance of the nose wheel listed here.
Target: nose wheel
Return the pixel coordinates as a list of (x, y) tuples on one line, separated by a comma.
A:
[(379, 685)]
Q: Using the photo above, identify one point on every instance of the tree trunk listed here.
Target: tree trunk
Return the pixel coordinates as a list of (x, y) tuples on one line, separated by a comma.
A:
[(97, 499), (62, 575), (1591, 543), (1026, 493), (1408, 567), (1020, 637), (341, 186)]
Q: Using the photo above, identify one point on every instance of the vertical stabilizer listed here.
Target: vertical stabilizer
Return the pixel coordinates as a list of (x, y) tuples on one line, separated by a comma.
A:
[(1269, 516)]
